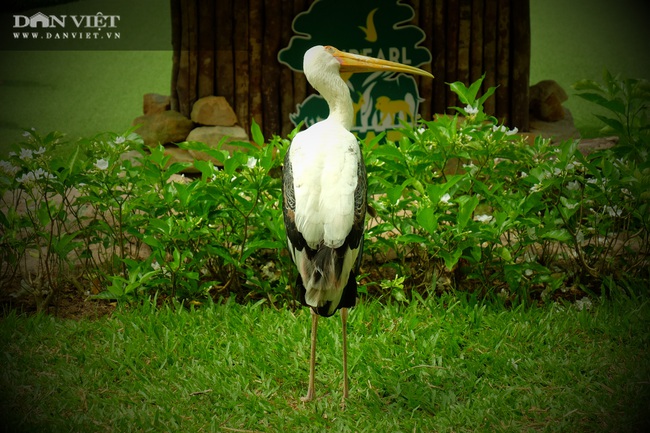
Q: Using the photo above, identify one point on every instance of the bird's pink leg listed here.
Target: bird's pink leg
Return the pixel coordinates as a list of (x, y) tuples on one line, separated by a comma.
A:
[(344, 323), (312, 359)]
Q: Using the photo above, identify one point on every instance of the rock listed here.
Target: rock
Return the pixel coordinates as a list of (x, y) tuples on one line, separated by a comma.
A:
[(162, 128), (177, 154), (154, 103), (546, 98), (590, 145), (213, 111), (213, 135)]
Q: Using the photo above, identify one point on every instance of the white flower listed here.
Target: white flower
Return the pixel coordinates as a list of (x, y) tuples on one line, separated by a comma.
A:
[(39, 173), (536, 188), (120, 140), (26, 178), (614, 211), (445, 198), (513, 131), (26, 154), (470, 168), (471, 110), (483, 218), (252, 162), (26, 134), (574, 185), (523, 174), (35, 175), (101, 164), (40, 151), (583, 304), (8, 168)]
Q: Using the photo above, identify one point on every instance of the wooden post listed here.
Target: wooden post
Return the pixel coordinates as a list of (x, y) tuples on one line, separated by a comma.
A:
[(520, 70), (227, 48)]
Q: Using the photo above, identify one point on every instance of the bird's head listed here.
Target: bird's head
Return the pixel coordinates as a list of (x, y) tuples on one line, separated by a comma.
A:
[(328, 58)]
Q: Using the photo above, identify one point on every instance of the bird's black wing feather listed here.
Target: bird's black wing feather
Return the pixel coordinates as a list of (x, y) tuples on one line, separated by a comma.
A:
[(289, 207)]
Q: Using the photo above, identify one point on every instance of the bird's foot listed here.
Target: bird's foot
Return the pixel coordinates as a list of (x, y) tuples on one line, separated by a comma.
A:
[(309, 397), (345, 397)]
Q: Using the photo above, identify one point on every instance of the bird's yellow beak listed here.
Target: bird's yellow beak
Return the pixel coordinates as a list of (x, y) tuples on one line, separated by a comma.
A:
[(358, 63)]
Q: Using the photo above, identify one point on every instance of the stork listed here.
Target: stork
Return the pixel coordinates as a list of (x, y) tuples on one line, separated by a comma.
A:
[(324, 189)]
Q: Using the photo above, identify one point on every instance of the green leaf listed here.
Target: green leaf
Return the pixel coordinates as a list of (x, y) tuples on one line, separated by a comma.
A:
[(583, 85), (63, 244), (451, 258), (254, 246), (427, 219), (205, 167), (256, 132), (466, 206), (394, 193), (614, 124), (43, 214), (231, 164), (436, 191), (561, 235), (153, 242), (504, 253), (410, 239), (489, 92), (459, 88), (176, 167), (614, 105)]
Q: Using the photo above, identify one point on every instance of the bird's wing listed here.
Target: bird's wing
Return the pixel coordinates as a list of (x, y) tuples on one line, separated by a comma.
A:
[(294, 238)]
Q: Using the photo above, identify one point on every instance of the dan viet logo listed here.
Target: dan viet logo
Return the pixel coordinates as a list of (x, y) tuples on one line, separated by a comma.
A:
[(60, 27)]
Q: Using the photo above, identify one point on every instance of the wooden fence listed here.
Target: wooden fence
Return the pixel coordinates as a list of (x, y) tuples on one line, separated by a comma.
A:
[(229, 48)]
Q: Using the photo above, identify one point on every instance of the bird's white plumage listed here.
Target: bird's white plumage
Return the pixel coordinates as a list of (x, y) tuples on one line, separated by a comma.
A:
[(325, 159)]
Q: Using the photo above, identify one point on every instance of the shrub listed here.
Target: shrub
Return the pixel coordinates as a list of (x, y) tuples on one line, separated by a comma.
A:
[(465, 203), (461, 203)]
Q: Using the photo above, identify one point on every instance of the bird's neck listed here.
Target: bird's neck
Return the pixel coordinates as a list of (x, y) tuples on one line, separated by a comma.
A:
[(339, 101)]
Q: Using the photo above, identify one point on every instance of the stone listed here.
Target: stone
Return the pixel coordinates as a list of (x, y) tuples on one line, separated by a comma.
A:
[(213, 111), (176, 154), (155, 103), (213, 135), (162, 128), (546, 98), (588, 146)]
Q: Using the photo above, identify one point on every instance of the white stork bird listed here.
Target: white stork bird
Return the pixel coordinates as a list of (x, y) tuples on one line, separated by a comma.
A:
[(324, 185)]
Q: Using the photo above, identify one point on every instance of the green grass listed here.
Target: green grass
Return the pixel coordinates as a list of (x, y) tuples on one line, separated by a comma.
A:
[(437, 365)]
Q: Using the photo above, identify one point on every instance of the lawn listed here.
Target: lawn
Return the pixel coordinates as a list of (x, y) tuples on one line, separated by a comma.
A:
[(442, 364)]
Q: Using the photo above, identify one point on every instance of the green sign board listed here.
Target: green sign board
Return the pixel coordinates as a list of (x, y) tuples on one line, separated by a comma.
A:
[(375, 28)]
